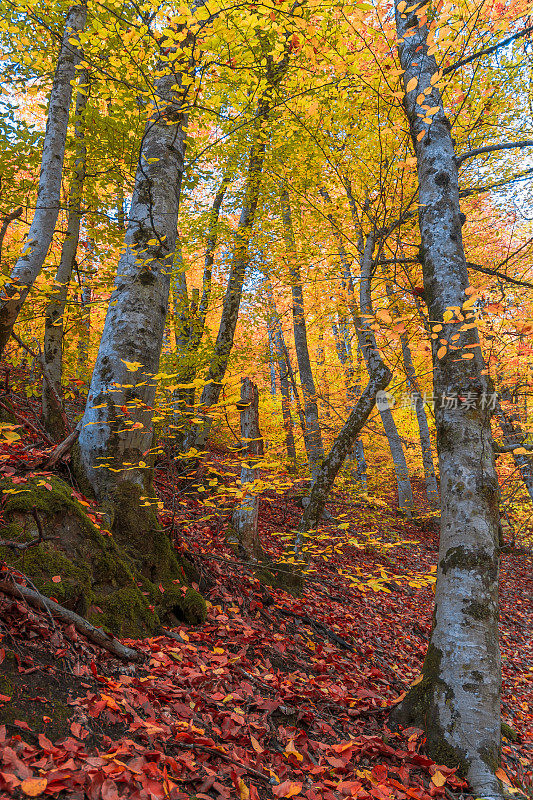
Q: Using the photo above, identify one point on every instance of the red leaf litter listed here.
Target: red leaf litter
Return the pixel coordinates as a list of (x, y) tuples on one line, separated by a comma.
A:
[(273, 697)]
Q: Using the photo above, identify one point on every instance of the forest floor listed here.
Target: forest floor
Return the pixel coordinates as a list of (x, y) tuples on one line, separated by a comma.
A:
[(275, 696)]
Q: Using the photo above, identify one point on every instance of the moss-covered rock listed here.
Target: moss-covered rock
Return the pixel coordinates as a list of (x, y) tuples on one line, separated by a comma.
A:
[(113, 580)]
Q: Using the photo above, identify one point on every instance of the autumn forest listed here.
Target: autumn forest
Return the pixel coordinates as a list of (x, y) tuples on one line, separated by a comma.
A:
[(266, 454)]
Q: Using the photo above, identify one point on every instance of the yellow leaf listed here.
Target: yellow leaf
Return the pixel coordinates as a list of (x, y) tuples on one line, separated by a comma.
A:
[(417, 680), (441, 352), (244, 792), (33, 787), (438, 779), (420, 136), (255, 744), (413, 83), (401, 6), (131, 366)]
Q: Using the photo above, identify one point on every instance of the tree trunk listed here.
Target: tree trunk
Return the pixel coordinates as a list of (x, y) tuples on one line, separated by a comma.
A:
[(245, 517), (457, 701), (432, 490), (312, 433), (117, 431), (240, 258), (367, 340), (6, 222), (44, 220), (276, 334), (232, 299), (353, 392), (189, 321), (379, 378), (513, 436), (84, 336), (53, 323)]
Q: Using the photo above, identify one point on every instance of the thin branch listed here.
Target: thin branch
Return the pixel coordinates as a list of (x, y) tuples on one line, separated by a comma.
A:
[(496, 185), (492, 148), (487, 51)]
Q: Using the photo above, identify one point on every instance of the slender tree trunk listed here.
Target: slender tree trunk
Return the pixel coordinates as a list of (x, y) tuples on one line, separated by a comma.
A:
[(117, 428), (245, 517), (53, 324), (405, 494), (312, 435), (6, 222), (232, 299), (44, 220), (84, 337), (271, 363), (353, 392), (379, 378), (276, 334), (457, 701), (432, 490), (240, 258), (513, 436), (189, 321)]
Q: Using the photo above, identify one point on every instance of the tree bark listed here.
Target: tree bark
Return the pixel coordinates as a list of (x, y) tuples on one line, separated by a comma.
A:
[(6, 222), (41, 230), (245, 517), (367, 339), (353, 391), (457, 701), (379, 378), (276, 333), (312, 433), (53, 324), (117, 428), (240, 258), (513, 437), (432, 489)]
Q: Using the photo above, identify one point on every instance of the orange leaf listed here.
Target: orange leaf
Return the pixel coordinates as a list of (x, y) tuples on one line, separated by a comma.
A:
[(413, 83), (441, 352), (255, 744), (287, 789), (438, 779), (33, 787), (56, 578), (502, 776)]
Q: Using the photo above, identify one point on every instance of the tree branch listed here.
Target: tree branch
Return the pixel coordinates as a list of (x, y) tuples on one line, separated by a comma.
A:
[(496, 185), (492, 148), (96, 635), (487, 51)]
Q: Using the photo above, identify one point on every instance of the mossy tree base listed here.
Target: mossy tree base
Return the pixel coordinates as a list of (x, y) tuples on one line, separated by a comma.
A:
[(129, 582), (281, 575)]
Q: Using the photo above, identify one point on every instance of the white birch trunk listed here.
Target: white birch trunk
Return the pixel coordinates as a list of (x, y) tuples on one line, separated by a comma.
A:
[(458, 699), (117, 431), (44, 220), (53, 325)]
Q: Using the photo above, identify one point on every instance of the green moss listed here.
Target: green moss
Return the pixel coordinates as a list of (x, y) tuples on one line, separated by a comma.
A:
[(463, 558), (186, 604), (509, 732), (113, 579), (418, 709), (126, 612), (281, 575)]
